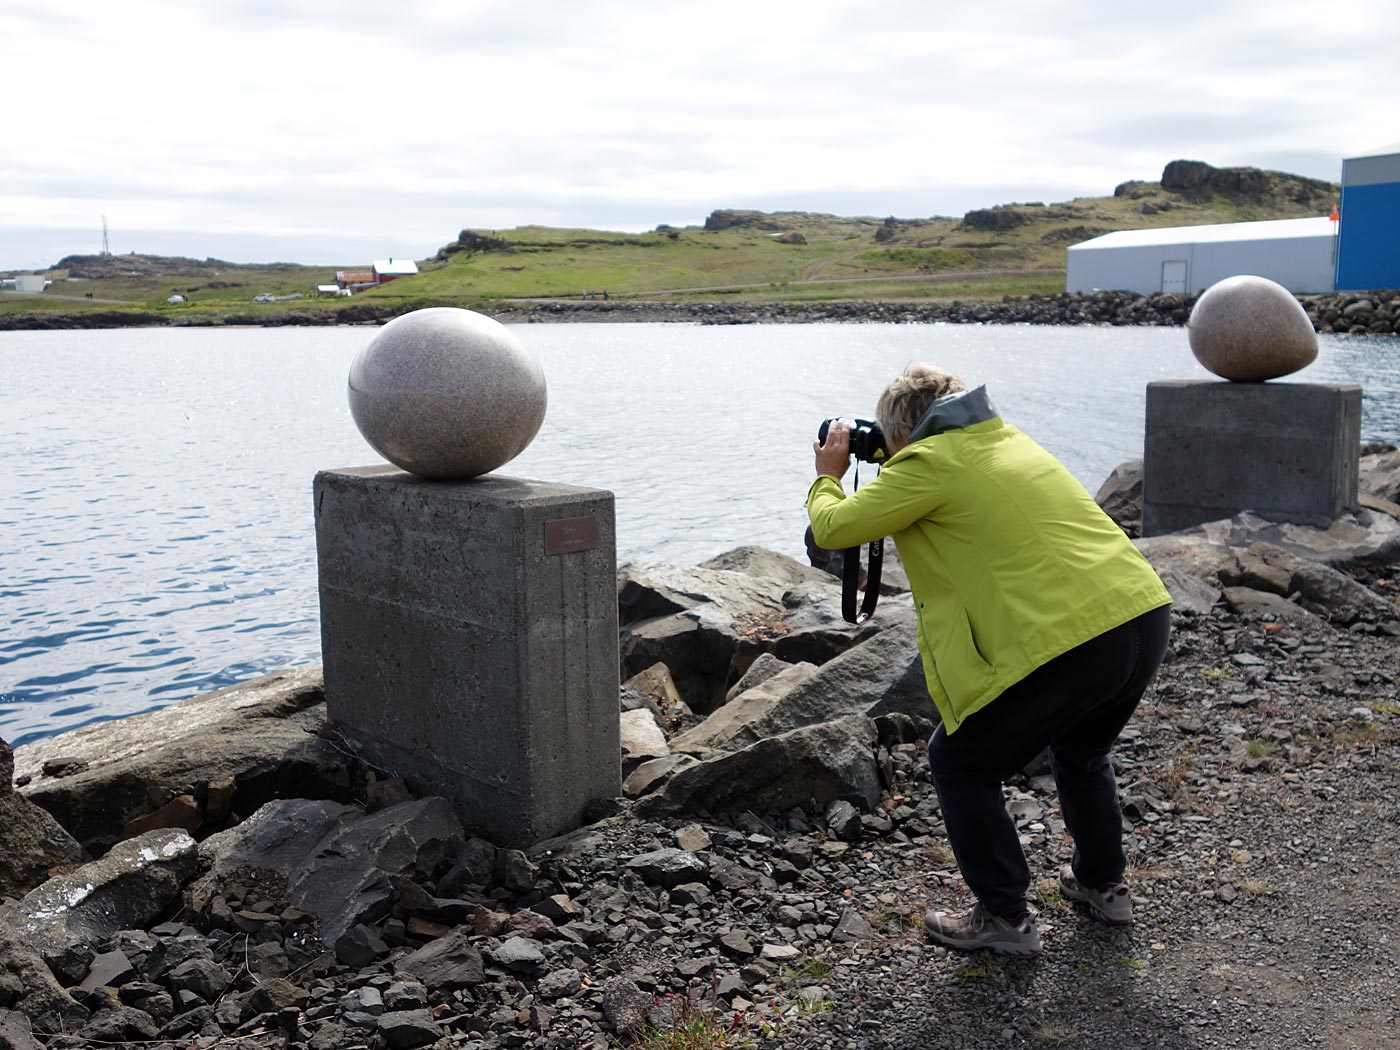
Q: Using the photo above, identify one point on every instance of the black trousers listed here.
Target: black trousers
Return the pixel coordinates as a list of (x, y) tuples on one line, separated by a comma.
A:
[(1076, 705)]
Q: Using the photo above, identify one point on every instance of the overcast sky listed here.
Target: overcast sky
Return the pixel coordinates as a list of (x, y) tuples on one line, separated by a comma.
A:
[(336, 131)]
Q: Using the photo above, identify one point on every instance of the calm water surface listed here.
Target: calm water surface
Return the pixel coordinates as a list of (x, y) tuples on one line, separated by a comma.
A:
[(156, 533)]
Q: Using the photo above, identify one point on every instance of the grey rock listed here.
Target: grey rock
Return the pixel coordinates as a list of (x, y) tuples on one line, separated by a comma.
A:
[(827, 761), (406, 1029), (880, 676), (560, 984), (340, 864), (474, 866), (1190, 594), (277, 994), (16, 1033), (1120, 496), (329, 1036), (668, 867), (123, 1024), (764, 667), (127, 889), (1380, 475), (260, 733), (852, 927), (108, 970), (625, 1005), (844, 820), (359, 946), (1263, 605), (447, 963), (693, 838), (514, 871), (31, 841), (366, 1000), (641, 737), (204, 977), (519, 955), (651, 775)]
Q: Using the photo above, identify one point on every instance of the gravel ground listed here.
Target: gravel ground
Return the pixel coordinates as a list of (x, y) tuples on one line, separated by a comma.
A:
[(1259, 786)]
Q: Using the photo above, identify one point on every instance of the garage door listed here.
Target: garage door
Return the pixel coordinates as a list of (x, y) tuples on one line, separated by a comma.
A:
[(1174, 275)]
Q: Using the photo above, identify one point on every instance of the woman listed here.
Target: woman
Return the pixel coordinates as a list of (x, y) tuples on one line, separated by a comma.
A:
[(1040, 625)]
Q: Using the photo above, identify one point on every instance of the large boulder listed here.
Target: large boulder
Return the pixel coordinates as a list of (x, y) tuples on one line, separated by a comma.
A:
[(1322, 589), (710, 622), (1380, 475), (1357, 538), (29, 988), (127, 889), (880, 676), (338, 862), (32, 844), (237, 747), (1120, 496), (832, 760)]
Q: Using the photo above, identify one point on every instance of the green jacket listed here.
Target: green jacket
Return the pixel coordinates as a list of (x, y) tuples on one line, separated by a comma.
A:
[(1011, 561)]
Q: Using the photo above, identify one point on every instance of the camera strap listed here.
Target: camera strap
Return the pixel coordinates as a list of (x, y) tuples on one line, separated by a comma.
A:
[(850, 576)]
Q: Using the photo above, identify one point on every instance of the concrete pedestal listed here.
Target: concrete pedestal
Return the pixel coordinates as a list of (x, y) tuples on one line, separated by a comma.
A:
[(1287, 451), (469, 634)]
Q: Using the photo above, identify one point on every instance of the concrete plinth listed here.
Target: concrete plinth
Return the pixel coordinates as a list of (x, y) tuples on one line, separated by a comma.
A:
[(1288, 451), (469, 634)]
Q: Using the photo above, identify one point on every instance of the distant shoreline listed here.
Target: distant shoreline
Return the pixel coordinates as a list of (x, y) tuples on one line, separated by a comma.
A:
[(1373, 313)]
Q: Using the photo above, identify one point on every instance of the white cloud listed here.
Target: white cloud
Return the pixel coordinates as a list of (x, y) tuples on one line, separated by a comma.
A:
[(363, 122)]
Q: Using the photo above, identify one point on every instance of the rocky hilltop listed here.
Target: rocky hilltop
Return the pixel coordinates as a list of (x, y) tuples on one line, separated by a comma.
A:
[(762, 879)]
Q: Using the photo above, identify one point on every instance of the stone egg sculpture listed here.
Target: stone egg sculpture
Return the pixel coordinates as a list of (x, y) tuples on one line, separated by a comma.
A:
[(447, 393), (1248, 329)]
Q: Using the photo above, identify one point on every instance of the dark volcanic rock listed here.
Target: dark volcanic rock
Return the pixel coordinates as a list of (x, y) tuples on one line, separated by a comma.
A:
[(127, 889), (339, 863), (31, 842), (39, 997), (261, 733), (826, 761), (449, 963)]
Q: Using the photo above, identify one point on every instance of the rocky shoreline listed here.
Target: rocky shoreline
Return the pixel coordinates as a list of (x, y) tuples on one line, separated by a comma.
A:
[(1371, 313), (762, 878)]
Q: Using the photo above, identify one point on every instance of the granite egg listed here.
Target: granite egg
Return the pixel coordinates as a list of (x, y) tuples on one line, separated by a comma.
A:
[(1248, 329), (447, 393)]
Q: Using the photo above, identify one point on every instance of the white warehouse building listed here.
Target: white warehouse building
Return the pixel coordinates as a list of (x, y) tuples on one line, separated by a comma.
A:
[(1299, 254)]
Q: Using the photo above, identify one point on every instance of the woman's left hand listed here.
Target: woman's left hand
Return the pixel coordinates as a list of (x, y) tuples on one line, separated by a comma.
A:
[(834, 457)]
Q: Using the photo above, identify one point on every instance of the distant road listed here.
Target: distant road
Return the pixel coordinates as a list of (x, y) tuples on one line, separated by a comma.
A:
[(67, 298)]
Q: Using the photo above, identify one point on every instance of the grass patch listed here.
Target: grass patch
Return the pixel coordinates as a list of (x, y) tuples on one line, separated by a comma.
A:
[(1055, 1033), (1129, 963), (1258, 747), (692, 1026), (1218, 674), (985, 966)]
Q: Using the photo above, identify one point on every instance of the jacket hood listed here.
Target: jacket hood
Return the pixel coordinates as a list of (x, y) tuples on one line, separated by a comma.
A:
[(954, 412)]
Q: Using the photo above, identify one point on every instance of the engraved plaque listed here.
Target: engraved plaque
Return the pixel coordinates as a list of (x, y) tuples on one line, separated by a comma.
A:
[(571, 535)]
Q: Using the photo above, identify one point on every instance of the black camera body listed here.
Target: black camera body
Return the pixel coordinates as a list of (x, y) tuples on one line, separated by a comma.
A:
[(867, 440)]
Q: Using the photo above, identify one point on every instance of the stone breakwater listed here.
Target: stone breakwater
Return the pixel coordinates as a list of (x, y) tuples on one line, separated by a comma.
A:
[(765, 871), (1351, 313)]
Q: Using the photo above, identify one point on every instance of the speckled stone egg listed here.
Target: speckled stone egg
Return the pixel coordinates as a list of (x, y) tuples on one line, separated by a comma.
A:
[(447, 393), (1248, 329)]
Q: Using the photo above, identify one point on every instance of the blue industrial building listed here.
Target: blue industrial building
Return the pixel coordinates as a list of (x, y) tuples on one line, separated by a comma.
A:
[(1368, 243)]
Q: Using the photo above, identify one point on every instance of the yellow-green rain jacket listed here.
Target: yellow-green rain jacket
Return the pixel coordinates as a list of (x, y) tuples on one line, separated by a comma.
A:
[(1011, 561)]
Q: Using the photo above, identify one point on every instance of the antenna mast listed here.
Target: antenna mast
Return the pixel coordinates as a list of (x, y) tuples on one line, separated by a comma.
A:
[(106, 249)]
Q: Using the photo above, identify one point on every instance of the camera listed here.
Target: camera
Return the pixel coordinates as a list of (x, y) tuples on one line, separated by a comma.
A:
[(867, 441)]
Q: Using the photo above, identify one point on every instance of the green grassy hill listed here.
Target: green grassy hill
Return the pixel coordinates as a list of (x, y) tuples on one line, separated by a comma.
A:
[(796, 256)]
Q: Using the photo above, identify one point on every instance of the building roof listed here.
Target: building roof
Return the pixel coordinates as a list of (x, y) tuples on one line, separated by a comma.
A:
[(328, 287), (1379, 151), (1269, 229), (355, 276), (397, 267)]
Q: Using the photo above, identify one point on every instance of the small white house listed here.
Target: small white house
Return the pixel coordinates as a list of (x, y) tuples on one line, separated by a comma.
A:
[(386, 270), (1297, 253), (30, 282)]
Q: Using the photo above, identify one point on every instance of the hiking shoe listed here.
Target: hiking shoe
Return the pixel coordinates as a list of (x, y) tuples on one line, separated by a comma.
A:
[(1110, 904), (979, 930)]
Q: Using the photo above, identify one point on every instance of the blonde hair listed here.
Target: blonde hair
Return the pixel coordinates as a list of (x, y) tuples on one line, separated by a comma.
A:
[(905, 400)]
